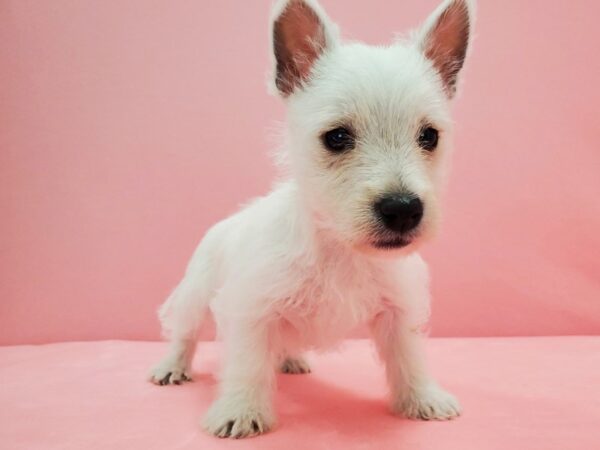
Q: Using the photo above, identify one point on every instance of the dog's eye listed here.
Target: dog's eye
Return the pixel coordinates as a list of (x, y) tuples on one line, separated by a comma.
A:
[(428, 138), (338, 139)]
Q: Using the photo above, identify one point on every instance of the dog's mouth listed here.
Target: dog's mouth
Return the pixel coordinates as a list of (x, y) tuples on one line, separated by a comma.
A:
[(392, 243)]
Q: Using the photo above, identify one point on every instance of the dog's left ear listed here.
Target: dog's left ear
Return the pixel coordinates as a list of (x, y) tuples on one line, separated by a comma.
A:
[(445, 37), (301, 32)]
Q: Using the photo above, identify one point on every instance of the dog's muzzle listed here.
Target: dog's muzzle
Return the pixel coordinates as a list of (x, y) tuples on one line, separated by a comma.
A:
[(399, 213), (398, 216)]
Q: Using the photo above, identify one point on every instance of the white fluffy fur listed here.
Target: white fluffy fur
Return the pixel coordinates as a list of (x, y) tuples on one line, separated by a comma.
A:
[(297, 269)]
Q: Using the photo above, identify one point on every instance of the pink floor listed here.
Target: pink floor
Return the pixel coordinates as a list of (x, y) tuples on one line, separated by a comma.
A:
[(518, 393)]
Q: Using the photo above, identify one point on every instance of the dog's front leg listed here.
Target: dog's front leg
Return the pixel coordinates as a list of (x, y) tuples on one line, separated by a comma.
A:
[(413, 393), (244, 405)]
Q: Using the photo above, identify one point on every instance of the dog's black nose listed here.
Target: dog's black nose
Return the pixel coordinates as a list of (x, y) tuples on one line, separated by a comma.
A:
[(400, 213)]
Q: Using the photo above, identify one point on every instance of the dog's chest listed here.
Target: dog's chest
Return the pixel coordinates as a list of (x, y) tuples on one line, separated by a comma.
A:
[(330, 301)]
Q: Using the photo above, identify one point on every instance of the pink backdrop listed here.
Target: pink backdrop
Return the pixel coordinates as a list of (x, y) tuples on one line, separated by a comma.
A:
[(128, 127)]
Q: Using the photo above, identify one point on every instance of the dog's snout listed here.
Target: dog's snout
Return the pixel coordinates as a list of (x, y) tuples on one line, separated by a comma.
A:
[(400, 213)]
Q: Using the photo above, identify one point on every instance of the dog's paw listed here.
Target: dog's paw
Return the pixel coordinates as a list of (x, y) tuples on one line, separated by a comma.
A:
[(227, 419), (168, 372), (428, 403), (294, 366)]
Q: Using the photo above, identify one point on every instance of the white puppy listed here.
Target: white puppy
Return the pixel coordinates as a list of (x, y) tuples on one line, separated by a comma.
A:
[(333, 246)]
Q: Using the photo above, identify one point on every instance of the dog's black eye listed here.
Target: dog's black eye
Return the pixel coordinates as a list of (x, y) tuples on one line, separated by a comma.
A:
[(338, 139), (428, 138)]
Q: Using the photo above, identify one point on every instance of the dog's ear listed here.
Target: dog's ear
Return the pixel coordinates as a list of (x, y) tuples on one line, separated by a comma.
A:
[(444, 39), (300, 33)]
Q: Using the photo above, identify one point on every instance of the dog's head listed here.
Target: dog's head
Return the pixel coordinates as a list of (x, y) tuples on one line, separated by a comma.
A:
[(369, 127)]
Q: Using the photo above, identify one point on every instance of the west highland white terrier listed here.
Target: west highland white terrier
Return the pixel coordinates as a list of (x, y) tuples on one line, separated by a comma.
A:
[(367, 138)]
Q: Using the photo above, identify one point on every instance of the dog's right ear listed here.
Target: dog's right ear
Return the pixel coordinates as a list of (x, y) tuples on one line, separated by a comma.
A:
[(445, 37), (300, 32)]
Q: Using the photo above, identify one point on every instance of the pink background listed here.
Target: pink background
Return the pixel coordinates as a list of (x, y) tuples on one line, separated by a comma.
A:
[(128, 127), (517, 393)]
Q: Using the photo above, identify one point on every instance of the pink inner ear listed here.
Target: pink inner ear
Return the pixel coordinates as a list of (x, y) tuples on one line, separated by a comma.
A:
[(299, 40), (446, 42)]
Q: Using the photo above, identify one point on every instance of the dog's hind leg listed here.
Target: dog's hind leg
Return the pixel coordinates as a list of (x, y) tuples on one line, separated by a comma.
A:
[(180, 316), (185, 311), (295, 364)]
